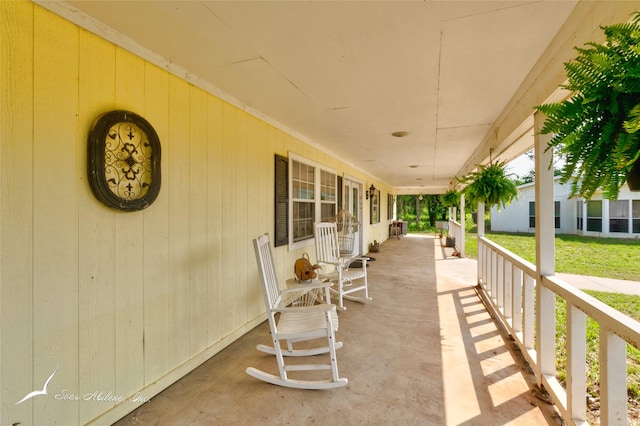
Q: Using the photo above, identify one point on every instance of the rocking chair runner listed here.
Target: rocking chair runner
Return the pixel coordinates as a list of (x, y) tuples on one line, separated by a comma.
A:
[(295, 324), (335, 266)]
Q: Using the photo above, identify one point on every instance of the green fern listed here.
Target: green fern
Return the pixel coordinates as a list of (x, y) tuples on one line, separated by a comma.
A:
[(450, 199), (597, 129), (489, 185)]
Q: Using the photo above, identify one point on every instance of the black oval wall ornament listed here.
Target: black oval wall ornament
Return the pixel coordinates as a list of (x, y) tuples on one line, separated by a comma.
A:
[(124, 161)]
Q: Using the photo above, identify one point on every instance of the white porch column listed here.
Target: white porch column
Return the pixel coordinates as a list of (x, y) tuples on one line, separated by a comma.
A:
[(462, 227), (481, 251), (630, 219), (605, 217), (545, 251)]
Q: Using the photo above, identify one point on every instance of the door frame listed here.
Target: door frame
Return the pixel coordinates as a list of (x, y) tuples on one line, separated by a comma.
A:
[(359, 184)]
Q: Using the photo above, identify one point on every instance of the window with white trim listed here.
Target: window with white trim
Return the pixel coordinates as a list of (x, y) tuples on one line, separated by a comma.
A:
[(579, 215), (619, 216), (313, 197), (328, 197), (594, 215), (532, 214)]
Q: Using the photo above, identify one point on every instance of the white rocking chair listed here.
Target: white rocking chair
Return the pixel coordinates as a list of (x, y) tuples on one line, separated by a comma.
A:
[(335, 267), (295, 324)]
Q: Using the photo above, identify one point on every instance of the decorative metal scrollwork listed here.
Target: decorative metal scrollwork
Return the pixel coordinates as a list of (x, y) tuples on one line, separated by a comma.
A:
[(124, 161)]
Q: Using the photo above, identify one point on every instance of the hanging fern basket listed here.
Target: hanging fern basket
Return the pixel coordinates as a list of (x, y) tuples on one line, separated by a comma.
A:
[(597, 130), (490, 185)]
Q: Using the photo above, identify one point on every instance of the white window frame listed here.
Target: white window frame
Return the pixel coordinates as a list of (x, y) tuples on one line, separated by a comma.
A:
[(600, 218), (318, 169), (619, 210)]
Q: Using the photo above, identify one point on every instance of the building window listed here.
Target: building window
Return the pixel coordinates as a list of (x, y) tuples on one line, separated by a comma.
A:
[(532, 214), (579, 215), (328, 196), (635, 215), (594, 216), (313, 196), (619, 216), (302, 200)]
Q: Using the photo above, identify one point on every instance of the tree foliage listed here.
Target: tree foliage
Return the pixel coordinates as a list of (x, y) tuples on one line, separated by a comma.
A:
[(421, 214)]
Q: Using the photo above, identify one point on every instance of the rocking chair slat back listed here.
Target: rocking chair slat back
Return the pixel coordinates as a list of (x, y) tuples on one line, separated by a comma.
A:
[(267, 271), (327, 247)]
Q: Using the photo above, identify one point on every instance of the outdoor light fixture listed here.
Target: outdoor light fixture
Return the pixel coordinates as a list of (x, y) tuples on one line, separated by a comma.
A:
[(371, 191)]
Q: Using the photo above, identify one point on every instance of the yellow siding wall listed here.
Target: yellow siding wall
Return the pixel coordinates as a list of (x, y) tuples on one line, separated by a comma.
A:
[(123, 302)]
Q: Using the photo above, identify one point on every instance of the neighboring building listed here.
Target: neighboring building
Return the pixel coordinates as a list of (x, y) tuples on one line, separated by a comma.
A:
[(598, 217)]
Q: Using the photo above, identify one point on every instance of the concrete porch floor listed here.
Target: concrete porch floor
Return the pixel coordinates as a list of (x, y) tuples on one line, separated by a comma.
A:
[(425, 351)]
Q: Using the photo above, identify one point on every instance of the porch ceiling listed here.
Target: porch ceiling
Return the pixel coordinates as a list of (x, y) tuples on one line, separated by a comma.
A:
[(345, 75)]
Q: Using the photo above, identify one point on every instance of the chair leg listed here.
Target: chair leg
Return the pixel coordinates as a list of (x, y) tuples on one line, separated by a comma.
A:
[(340, 292), (366, 289), (332, 349), (280, 359)]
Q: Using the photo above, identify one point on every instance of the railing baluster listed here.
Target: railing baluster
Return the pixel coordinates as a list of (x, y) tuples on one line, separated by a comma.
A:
[(546, 330), (500, 282), (516, 304), (529, 312), (487, 269), (508, 291), (576, 363), (613, 378), (493, 272)]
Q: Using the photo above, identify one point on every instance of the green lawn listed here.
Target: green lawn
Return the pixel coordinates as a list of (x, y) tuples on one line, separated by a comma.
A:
[(598, 257)]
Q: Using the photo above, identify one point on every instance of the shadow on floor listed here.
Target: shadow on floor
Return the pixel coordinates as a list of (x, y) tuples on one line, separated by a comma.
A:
[(424, 352)]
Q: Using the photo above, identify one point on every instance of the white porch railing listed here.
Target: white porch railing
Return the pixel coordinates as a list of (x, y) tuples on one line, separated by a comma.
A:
[(526, 305)]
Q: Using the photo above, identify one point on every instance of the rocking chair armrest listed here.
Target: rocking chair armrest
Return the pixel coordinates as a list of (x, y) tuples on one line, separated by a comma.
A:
[(294, 286), (350, 260), (324, 307), (328, 262)]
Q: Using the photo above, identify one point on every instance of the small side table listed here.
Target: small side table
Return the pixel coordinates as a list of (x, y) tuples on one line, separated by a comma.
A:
[(311, 292)]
